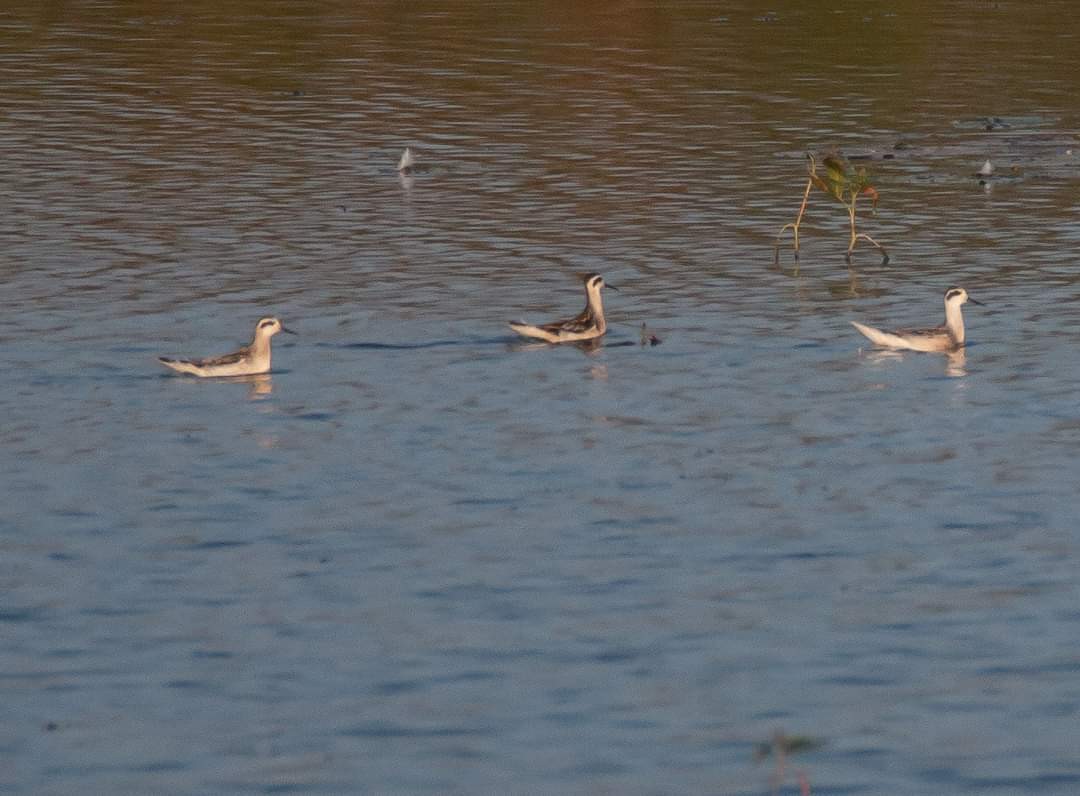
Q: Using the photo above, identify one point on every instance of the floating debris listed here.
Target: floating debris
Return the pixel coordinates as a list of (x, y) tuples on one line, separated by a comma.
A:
[(782, 744), (993, 123), (987, 169), (407, 162), (647, 337), (779, 748)]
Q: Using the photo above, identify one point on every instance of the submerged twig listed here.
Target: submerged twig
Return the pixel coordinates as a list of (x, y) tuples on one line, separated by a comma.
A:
[(647, 336), (872, 242), (780, 747), (794, 225)]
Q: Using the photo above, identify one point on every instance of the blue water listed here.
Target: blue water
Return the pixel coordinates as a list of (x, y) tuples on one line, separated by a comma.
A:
[(421, 557)]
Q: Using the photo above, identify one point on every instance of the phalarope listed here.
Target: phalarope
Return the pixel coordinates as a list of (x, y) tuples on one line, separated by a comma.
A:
[(587, 325), (407, 162), (947, 337), (249, 360)]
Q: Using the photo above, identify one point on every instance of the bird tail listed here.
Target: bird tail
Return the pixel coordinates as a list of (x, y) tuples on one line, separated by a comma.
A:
[(879, 337)]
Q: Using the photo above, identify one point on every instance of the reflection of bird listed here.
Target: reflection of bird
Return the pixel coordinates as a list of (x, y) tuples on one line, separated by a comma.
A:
[(407, 162), (947, 337), (587, 325), (251, 359), (955, 363)]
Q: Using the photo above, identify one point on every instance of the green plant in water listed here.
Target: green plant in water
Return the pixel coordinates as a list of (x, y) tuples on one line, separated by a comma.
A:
[(846, 185)]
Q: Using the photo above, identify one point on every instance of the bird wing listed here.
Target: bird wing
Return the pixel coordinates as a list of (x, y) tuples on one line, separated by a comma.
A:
[(935, 331), (579, 323), (224, 359)]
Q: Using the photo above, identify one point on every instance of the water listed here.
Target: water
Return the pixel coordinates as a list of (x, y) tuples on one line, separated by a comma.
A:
[(421, 558)]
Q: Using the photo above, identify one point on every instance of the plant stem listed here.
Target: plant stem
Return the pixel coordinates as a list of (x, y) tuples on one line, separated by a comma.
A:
[(854, 236), (857, 236), (872, 242), (794, 226)]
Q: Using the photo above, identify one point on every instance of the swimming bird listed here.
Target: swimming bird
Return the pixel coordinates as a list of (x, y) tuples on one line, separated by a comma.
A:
[(407, 162), (947, 337), (251, 359), (587, 325)]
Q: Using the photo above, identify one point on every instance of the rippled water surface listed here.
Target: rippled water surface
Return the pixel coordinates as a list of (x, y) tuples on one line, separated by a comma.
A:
[(420, 557)]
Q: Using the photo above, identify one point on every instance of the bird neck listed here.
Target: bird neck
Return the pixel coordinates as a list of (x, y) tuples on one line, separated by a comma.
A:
[(954, 321), (260, 345), (595, 308)]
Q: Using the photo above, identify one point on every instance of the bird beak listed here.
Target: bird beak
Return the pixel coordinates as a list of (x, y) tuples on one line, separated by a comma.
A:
[(287, 331), (609, 286), (973, 301)]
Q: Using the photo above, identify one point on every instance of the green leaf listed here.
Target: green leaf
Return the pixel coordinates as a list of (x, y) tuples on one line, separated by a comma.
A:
[(837, 169)]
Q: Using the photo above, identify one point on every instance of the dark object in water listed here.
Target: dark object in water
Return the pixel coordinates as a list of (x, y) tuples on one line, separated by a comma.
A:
[(782, 744)]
